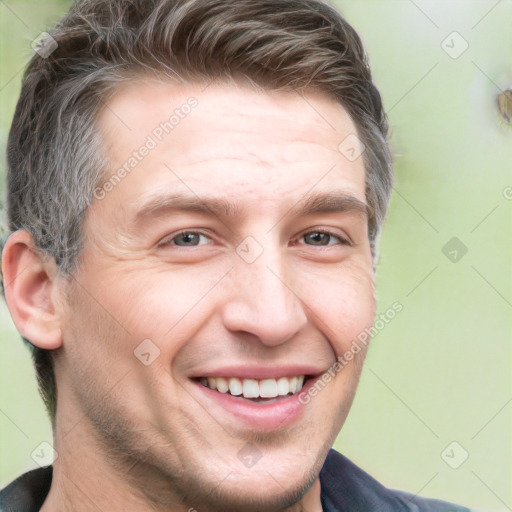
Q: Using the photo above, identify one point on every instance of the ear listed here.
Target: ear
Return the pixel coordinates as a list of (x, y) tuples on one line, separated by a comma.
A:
[(31, 291)]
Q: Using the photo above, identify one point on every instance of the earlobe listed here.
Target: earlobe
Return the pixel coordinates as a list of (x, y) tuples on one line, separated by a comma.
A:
[(31, 291)]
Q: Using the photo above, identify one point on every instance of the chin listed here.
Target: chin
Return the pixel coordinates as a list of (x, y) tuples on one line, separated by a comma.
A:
[(253, 495), (275, 484)]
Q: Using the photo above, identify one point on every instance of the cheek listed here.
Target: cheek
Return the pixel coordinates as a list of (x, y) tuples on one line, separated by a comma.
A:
[(155, 302), (106, 374), (344, 305)]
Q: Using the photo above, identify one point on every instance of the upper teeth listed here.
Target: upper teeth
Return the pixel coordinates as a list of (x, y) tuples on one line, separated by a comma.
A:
[(251, 388)]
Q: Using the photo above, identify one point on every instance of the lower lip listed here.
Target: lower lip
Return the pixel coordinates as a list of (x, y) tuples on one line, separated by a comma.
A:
[(263, 415)]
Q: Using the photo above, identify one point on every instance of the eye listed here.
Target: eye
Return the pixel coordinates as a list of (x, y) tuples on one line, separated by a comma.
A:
[(186, 239), (323, 238)]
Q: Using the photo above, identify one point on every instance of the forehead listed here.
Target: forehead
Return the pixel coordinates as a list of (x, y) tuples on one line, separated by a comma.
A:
[(228, 140)]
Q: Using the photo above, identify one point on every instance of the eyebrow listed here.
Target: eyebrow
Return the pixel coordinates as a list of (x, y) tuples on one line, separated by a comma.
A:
[(330, 202), (171, 203)]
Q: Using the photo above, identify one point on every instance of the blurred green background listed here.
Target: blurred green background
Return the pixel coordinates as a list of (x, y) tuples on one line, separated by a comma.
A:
[(440, 372)]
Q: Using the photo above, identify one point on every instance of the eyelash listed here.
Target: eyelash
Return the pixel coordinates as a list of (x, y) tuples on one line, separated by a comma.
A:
[(341, 239)]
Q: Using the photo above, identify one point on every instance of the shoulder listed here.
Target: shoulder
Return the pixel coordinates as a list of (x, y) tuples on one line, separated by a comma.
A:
[(347, 487), (28, 492)]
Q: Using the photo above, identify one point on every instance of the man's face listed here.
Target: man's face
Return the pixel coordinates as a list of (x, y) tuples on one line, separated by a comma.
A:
[(237, 248)]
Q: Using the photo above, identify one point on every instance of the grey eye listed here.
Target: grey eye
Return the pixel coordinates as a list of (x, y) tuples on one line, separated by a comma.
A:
[(317, 238), (187, 239)]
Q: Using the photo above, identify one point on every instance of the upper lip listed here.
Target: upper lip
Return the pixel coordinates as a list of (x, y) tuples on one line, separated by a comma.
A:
[(259, 372)]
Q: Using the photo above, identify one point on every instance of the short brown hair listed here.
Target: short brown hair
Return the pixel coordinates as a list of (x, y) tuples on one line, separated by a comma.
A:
[(55, 157)]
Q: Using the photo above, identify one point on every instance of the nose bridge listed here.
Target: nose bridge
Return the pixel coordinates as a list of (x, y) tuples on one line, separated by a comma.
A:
[(264, 302), (263, 282), (270, 288)]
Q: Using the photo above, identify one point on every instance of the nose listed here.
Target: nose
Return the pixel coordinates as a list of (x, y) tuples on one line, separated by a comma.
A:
[(264, 302)]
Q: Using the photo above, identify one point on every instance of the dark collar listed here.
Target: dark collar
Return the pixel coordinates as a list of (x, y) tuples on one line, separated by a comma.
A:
[(28, 492)]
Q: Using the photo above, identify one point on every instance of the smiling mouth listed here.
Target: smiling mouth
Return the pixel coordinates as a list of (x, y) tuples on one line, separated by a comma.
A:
[(263, 390)]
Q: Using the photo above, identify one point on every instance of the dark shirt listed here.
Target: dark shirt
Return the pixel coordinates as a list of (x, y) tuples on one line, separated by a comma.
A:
[(345, 487)]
